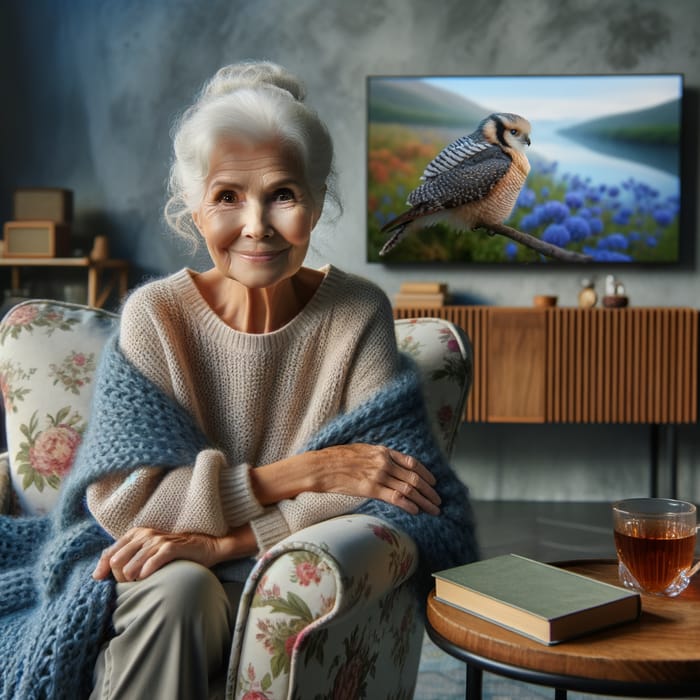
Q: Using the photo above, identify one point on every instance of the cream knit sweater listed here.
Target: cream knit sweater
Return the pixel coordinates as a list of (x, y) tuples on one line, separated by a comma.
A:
[(257, 397)]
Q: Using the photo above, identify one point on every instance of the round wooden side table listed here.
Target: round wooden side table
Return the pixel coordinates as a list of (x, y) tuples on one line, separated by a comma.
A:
[(656, 656)]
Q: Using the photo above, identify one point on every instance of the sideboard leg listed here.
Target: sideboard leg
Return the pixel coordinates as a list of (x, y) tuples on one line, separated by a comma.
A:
[(654, 460), (560, 694), (672, 457), (474, 678)]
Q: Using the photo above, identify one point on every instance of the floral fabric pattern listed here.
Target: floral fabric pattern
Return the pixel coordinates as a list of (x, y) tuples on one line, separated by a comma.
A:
[(304, 589), (75, 371), (13, 384), (446, 367), (49, 352), (46, 456), (30, 316)]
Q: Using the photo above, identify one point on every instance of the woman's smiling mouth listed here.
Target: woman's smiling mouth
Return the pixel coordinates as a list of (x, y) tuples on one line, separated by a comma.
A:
[(259, 255)]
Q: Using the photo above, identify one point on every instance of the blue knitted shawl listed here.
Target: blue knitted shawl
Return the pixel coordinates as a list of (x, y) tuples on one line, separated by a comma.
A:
[(54, 616)]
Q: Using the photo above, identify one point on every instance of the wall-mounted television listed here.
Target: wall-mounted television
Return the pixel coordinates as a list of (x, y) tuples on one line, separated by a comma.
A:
[(605, 157)]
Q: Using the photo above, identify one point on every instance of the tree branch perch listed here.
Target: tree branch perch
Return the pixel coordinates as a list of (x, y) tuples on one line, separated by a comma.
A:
[(537, 244)]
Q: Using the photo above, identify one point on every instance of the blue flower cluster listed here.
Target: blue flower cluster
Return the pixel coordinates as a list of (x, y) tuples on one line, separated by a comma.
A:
[(608, 222)]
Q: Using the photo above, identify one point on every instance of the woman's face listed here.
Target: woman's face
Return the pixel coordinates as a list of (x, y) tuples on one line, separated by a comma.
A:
[(257, 213)]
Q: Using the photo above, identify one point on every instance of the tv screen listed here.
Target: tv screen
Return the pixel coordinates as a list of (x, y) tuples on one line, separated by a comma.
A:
[(604, 178)]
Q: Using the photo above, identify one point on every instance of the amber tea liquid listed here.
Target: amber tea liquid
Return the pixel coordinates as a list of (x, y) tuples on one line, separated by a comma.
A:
[(655, 542), (655, 559)]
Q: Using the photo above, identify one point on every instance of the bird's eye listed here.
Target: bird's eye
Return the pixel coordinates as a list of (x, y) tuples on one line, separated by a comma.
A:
[(514, 132)]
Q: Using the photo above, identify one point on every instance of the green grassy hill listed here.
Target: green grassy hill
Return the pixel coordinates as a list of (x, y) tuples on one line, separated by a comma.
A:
[(414, 102), (658, 126)]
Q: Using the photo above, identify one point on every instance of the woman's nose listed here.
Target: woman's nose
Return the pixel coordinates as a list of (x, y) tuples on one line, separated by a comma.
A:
[(256, 224)]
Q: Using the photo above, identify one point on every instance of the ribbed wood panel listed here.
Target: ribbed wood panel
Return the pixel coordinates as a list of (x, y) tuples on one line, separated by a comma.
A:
[(622, 365), (636, 365)]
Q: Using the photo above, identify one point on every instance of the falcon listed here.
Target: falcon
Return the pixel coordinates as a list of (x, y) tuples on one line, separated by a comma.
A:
[(473, 182)]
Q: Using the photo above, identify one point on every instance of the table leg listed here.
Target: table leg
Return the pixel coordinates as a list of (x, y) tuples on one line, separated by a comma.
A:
[(474, 678), (93, 285), (123, 282)]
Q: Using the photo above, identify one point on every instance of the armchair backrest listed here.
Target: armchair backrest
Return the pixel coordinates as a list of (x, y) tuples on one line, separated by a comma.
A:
[(49, 352), (443, 353)]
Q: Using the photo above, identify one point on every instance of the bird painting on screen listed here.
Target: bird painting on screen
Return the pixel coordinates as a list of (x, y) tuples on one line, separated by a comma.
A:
[(473, 182)]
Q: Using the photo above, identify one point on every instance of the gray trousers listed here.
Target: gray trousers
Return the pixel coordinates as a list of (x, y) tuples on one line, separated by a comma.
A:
[(172, 637)]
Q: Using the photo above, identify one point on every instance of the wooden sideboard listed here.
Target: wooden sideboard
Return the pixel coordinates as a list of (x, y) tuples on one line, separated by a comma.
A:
[(571, 365)]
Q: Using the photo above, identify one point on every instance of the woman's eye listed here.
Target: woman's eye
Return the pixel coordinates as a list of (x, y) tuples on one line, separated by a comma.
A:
[(227, 196), (284, 194)]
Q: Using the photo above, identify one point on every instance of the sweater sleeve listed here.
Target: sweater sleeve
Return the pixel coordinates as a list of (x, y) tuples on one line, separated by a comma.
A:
[(294, 514), (208, 497)]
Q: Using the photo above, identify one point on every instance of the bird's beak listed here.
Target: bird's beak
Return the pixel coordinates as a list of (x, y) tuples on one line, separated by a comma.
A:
[(527, 140)]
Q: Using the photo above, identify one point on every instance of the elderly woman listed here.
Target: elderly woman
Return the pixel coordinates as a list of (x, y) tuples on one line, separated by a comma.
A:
[(237, 405)]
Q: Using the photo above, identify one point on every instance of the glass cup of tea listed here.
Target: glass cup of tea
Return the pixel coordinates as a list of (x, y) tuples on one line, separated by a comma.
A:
[(655, 543)]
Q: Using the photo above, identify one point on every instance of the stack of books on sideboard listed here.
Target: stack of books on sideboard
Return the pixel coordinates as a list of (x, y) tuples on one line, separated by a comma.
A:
[(421, 295)]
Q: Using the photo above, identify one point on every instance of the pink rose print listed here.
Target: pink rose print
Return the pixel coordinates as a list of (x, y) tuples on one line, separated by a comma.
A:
[(47, 455), (307, 573), (254, 690), (349, 680), (5, 391), (406, 564), (22, 315), (383, 533), (79, 359), (447, 335), (445, 414), (54, 449), (289, 644)]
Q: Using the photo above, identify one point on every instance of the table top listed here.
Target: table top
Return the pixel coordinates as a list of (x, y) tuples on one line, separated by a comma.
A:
[(661, 648)]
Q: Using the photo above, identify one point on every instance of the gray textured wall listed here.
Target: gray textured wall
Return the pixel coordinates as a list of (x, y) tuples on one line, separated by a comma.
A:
[(90, 88)]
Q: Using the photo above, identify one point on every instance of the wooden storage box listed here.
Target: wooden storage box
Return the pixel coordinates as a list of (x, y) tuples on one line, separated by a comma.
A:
[(36, 239), (43, 204)]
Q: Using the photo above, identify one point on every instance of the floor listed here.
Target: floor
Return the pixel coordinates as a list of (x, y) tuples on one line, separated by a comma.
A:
[(541, 530), (548, 531)]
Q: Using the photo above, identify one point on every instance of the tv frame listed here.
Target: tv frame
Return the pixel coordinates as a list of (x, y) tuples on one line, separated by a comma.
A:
[(685, 215)]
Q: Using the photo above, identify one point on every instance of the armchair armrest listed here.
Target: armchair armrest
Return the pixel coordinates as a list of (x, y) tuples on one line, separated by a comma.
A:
[(318, 577)]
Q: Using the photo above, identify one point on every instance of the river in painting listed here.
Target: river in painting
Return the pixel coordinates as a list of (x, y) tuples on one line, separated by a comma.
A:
[(605, 161)]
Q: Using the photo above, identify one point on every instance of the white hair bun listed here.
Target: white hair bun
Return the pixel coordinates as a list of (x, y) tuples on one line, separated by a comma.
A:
[(253, 74)]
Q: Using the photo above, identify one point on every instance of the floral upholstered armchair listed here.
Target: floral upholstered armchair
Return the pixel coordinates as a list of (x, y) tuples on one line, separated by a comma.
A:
[(326, 613)]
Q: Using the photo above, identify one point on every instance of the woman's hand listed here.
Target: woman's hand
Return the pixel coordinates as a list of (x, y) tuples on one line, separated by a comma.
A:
[(141, 551), (358, 469), (373, 471)]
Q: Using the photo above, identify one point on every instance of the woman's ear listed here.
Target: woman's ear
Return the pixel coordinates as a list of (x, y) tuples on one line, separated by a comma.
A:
[(318, 208)]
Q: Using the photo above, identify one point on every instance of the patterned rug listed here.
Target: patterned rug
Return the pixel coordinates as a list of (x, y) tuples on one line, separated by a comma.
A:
[(442, 677)]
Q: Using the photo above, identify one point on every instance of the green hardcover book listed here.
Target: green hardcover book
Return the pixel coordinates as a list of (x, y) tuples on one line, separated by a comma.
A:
[(538, 600)]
